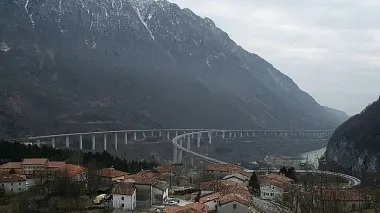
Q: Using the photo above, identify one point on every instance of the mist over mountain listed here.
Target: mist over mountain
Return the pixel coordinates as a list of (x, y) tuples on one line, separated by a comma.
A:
[(79, 65)]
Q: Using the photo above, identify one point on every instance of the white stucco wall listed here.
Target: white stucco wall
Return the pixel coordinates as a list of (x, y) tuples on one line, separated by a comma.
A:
[(128, 201), (212, 205), (229, 208), (14, 187), (271, 193)]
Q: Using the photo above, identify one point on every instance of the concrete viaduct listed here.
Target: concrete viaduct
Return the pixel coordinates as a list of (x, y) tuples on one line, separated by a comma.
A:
[(181, 139)]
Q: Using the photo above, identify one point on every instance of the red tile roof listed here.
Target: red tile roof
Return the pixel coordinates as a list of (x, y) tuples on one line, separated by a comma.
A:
[(56, 164), (230, 168), (12, 178), (11, 165), (35, 161), (144, 177), (275, 180), (217, 185), (74, 170), (123, 188), (207, 198), (189, 208), (167, 168), (111, 173)]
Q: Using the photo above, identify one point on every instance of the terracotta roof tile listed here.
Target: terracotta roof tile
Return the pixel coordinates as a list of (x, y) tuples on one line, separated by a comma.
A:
[(167, 168), (144, 177), (230, 168), (35, 161), (11, 165), (275, 180), (123, 188), (189, 208), (56, 164), (11, 178), (220, 184), (74, 170), (111, 173)]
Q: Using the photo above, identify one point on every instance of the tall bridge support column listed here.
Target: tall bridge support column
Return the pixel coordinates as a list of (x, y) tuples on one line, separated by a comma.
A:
[(159, 133), (223, 135), (188, 143), (234, 134), (39, 142), (126, 138), (175, 154), (230, 134), (53, 142), (93, 142), (80, 142), (209, 137), (144, 136), (180, 151), (135, 136), (152, 133), (168, 135), (176, 133), (199, 139), (67, 142), (105, 142), (115, 141)]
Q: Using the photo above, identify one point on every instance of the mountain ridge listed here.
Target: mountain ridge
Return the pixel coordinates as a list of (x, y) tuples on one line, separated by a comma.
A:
[(138, 64)]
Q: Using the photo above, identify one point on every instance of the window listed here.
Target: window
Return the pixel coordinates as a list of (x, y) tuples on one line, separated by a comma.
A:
[(234, 206), (122, 198), (19, 189), (271, 194), (11, 184), (19, 183), (122, 205)]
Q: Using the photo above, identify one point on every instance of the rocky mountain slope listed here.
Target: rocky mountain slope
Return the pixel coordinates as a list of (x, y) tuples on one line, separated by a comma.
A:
[(88, 64), (355, 145), (338, 114)]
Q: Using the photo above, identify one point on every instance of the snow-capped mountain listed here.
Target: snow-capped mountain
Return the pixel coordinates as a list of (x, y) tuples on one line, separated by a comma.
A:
[(69, 64)]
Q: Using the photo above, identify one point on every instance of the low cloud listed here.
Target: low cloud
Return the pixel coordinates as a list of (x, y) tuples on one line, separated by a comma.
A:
[(331, 48)]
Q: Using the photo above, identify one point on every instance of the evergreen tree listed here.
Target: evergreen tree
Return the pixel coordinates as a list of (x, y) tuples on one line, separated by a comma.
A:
[(254, 184)]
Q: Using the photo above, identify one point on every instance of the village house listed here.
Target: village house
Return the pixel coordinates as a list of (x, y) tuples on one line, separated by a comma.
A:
[(273, 186), (150, 189), (226, 196), (108, 176), (160, 192), (76, 173), (189, 208), (219, 171), (124, 196), (13, 183), (32, 167), (238, 178)]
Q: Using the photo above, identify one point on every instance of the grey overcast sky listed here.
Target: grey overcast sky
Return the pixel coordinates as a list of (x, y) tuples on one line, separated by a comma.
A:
[(330, 48)]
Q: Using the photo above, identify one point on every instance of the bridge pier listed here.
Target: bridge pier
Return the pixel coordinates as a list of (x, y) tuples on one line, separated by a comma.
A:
[(159, 134), (135, 136), (144, 136), (188, 144), (168, 135), (234, 134), (175, 154), (115, 141), (53, 142), (199, 139), (126, 138), (209, 137), (67, 142), (152, 133), (223, 135), (105, 142), (180, 151), (176, 133), (80, 142), (39, 142), (93, 142), (230, 133)]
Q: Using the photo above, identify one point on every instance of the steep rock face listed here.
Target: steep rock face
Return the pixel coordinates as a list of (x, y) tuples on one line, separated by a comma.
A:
[(85, 64), (355, 145)]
